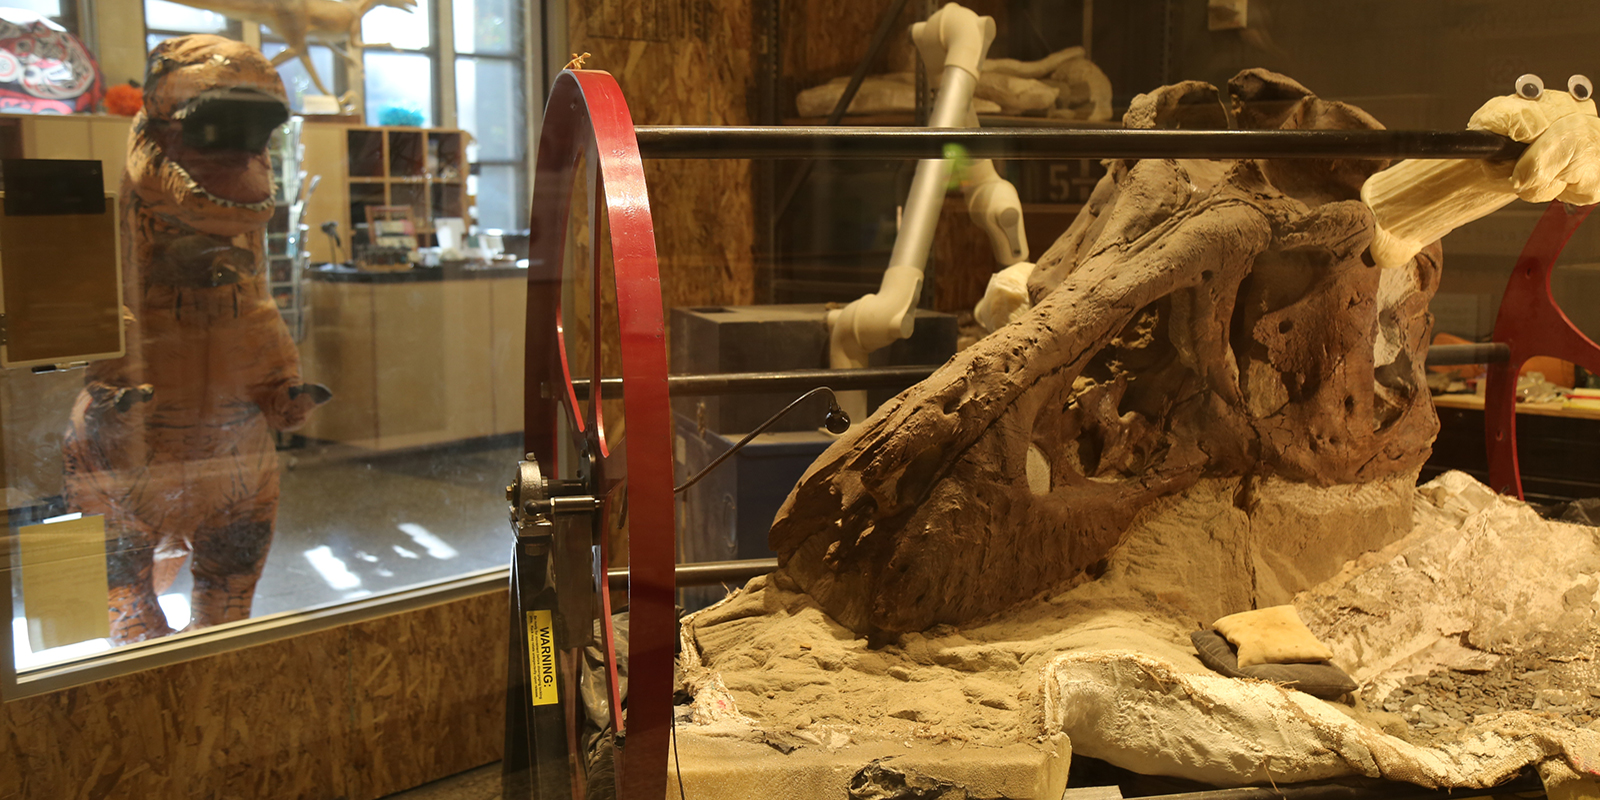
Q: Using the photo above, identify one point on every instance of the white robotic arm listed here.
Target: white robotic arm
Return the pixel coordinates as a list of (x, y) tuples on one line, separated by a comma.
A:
[(993, 204), (956, 39)]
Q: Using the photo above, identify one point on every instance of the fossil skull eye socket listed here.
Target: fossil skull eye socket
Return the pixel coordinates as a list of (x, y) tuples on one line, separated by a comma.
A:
[(1580, 88), (1530, 86)]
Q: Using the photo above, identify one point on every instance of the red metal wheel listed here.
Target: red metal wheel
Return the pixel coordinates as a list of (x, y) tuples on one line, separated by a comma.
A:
[(589, 166), (1532, 324)]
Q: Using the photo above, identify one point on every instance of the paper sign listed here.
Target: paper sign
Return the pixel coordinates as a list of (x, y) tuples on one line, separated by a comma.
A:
[(64, 581), (542, 657)]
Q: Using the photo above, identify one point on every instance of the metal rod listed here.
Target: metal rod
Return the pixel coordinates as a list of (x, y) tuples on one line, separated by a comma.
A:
[(762, 382), (798, 380), (1452, 355), (1044, 143), (705, 573)]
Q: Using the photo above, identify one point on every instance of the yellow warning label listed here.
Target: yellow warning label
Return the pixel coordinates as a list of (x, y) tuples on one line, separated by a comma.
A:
[(542, 657)]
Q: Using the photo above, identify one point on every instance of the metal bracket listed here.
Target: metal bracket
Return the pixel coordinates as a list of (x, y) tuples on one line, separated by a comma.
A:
[(3, 338), (536, 499)]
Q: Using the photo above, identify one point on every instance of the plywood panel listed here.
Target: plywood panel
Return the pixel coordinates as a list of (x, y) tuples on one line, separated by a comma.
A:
[(423, 656), (340, 340), (826, 39), (354, 712), (689, 67), (510, 311)]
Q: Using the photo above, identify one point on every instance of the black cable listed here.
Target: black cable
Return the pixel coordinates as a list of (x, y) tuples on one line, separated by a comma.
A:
[(836, 420), (675, 765)]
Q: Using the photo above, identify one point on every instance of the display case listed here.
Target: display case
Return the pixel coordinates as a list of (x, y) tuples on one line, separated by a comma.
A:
[(1210, 398)]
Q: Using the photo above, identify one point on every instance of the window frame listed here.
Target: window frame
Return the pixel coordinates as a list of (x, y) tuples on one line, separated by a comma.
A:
[(475, 166), (436, 52)]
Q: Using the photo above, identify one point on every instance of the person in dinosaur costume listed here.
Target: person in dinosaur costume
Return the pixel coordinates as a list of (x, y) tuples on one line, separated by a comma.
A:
[(172, 443)]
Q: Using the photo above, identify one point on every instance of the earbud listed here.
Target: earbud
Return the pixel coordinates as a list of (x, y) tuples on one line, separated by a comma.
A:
[(836, 420)]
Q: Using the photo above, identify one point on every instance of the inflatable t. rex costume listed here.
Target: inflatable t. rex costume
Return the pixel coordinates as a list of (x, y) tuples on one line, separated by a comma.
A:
[(172, 443)]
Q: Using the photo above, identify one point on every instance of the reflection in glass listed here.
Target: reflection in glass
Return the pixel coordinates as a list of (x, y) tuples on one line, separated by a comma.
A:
[(489, 105), (44, 8), (499, 203), (399, 81), (486, 27), (385, 25), (162, 15), (295, 77), (577, 287)]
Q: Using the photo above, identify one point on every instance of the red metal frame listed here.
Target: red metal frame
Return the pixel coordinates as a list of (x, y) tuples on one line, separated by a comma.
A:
[(587, 115), (1532, 324)]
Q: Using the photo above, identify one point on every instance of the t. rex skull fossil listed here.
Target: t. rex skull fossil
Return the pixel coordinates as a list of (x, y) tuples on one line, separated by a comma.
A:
[(1198, 319)]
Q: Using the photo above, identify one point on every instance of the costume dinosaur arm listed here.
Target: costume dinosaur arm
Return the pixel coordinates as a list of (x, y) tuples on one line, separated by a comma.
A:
[(118, 384), (282, 395)]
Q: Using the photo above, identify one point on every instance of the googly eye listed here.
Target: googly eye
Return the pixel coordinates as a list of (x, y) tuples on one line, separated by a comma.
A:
[(1530, 86), (1580, 88)]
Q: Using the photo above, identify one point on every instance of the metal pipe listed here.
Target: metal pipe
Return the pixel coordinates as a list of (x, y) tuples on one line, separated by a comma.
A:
[(932, 179), (1451, 355), (665, 141), (705, 573), (798, 380)]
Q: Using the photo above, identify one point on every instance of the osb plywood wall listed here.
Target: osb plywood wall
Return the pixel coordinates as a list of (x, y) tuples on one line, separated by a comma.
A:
[(356, 712), (684, 62), (826, 39)]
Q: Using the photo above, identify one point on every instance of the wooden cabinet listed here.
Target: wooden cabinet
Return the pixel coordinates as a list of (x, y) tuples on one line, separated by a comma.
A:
[(415, 363)]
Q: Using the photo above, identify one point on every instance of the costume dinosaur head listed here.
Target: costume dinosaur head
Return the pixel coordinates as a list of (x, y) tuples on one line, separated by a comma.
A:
[(198, 154)]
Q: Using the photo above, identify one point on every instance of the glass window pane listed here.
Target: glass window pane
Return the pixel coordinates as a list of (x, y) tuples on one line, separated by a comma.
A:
[(44, 8), (399, 83), (487, 27), (295, 77), (392, 26), (499, 198), (489, 105), (162, 15)]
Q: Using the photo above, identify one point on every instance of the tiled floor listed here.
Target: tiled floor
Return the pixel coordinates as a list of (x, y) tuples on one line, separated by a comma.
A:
[(349, 528), (352, 525)]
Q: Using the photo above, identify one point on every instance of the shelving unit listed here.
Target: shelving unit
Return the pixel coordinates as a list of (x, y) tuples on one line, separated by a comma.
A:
[(425, 169)]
